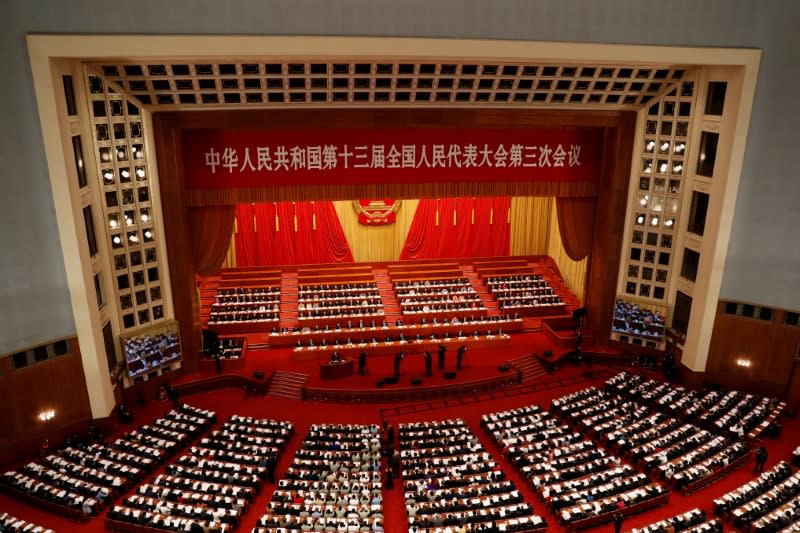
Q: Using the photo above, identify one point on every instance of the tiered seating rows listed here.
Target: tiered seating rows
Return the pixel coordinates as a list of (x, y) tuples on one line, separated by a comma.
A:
[(693, 521), (450, 480), (766, 503), (452, 296), (212, 485), (245, 305), (733, 413), (683, 455), (340, 300), (9, 523), (301, 337), (71, 483), (334, 482), (523, 291), (580, 483)]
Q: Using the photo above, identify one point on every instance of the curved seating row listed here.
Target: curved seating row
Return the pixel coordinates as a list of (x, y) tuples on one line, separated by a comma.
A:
[(79, 481), (451, 481)]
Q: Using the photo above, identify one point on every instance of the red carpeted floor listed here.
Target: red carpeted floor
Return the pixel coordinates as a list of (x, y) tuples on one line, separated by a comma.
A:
[(229, 401)]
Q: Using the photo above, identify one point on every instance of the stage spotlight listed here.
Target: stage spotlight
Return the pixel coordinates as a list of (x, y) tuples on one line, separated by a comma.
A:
[(125, 174), (654, 221), (663, 167), (669, 223), (108, 176), (140, 172), (116, 239), (145, 217), (640, 219), (148, 234)]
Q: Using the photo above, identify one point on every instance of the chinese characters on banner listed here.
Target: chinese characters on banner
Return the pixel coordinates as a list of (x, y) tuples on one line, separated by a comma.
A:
[(262, 158)]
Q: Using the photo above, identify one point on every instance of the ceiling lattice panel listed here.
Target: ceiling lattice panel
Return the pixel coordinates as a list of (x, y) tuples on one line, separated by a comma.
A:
[(198, 84)]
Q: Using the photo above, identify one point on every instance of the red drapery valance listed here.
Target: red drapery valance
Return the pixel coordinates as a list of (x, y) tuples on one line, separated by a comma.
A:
[(467, 227), (289, 233), (576, 225)]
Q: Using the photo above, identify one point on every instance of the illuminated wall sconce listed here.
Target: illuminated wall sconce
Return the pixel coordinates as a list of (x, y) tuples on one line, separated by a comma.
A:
[(47, 415), (744, 363)]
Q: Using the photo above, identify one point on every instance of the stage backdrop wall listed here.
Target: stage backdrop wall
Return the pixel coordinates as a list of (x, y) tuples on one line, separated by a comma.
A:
[(372, 243), (574, 272), (534, 231)]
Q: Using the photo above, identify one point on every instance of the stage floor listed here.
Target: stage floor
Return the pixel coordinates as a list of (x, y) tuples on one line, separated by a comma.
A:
[(478, 364)]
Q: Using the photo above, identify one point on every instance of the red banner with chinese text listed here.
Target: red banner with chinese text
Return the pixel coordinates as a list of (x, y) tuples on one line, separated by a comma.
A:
[(216, 159)]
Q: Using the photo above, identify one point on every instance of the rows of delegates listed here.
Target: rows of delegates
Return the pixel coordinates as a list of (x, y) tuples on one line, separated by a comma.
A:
[(731, 413), (692, 521), (84, 477), (333, 484), (362, 336), (452, 483), (245, 304), (339, 301), (579, 482), (437, 296), (766, 504), (12, 524), (209, 487), (522, 291), (681, 454)]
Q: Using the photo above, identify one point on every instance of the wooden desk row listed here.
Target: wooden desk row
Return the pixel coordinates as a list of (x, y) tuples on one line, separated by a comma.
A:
[(239, 328), (47, 505), (334, 320), (441, 315), (391, 348), (250, 281), (661, 499), (538, 310), (409, 332), (335, 278), (484, 272)]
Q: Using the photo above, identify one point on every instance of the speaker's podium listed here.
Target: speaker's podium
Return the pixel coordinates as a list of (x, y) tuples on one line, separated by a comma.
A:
[(336, 369)]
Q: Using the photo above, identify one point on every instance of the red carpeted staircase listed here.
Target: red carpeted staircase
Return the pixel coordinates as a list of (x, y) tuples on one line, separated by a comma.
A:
[(287, 385), (391, 307), (288, 305), (530, 367), (208, 291), (487, 299)]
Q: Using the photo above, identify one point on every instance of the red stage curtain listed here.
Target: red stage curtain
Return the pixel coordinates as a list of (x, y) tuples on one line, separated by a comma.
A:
[(265, 229), (211, 229), (576, 225), (294, 239), (458, 233), (246, 247)]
